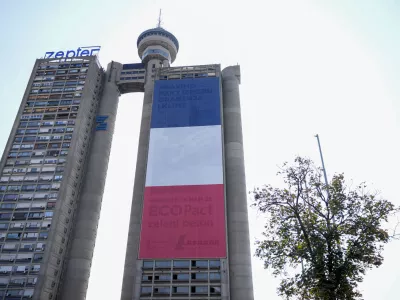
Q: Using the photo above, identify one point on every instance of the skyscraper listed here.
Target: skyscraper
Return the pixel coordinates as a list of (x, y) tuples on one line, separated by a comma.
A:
[(188, 233)]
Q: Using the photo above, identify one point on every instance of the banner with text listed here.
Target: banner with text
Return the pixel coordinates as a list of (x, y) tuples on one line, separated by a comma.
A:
[(184, 206)]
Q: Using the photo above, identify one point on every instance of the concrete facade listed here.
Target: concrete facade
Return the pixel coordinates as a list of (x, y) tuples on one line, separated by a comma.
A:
[(240, 276)]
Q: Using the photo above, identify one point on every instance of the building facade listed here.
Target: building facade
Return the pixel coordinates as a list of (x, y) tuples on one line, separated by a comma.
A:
[(188, 233)]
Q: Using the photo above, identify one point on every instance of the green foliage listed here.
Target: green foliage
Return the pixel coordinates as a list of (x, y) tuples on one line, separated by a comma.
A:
[(320, 239)]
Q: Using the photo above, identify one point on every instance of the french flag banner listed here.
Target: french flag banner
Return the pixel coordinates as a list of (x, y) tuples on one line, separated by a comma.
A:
[(184, 201)]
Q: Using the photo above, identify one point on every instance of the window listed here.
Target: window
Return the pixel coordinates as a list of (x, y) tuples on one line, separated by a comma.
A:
[(43, 187), (199, 263), (181, 277), (52, 153), (31, 178), (48, 214), (147, 278), (21, 162), (26, 196), (43, 235), (163, 264), (10, 197), (55, 145), (7, 206), (29, 138), (215, 290), (40, 196), (38, 153), (214, 276), (199, 290), (145, 290), (184, 264), (50, 161), (16, 188), (148, 264), (215, 264), (28, 187), (59, 130), (162, 290), (16, 178), (13, 236), (47, 123), (200, 276), (180, 290), (162, 277), (27, 146)]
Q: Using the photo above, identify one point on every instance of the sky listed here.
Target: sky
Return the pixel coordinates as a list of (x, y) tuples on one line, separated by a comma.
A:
[(326, 67)]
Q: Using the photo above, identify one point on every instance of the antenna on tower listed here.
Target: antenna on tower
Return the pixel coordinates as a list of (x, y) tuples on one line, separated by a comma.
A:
[(159, 20)]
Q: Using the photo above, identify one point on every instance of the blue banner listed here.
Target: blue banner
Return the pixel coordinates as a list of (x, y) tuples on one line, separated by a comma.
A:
[(186, 102)]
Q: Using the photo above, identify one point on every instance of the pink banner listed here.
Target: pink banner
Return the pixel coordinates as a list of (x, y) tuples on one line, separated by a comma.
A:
[(183, 222)]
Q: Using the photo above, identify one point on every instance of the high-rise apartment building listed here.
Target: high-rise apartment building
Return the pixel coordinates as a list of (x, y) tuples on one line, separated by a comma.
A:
[(188, 234)]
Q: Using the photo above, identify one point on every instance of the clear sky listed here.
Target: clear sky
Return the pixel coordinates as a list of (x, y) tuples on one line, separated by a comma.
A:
[(327, 67)]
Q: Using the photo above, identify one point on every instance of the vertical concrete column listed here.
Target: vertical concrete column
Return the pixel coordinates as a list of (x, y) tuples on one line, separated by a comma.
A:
[(75, 280), (132, 268), (240, 276)]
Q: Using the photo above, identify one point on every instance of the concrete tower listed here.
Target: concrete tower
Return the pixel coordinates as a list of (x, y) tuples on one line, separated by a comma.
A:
[(223, 273), (188, 233)]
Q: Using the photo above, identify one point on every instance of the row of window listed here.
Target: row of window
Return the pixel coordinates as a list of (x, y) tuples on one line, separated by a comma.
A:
[(50, 116), (41, 146), (19, 269), (30, 187), (56, 90), (39, 205), (187, 75), (199, 276), (26, 216), (43, 130), (23, 247), (61, 96), (134, 72), (51, 109), (62, 66), (46, 124), (28, 196), (25, 225), (23, 236), (31, 178), (181, 264), (38, 161), (131, 78), (44, 169), (58, 83), (53, 153), (18, 281), (40, 138), (25, 293), (58, 78), (51, 103), (194, 290), (61, 72)]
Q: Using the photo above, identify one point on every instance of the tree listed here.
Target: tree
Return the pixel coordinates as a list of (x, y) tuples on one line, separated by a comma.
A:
[(320, 238)]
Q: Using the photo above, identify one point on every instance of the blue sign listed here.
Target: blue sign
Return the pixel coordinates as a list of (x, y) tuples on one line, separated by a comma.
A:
[(101, 123), (186, 102), (81, 51)]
